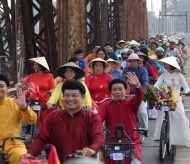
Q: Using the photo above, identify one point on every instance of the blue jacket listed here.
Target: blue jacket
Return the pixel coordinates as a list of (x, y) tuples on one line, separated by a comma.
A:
[(140, 72), (115, 74)]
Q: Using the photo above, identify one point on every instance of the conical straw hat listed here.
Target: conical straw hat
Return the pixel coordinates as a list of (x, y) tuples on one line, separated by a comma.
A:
[(117, 65), (61, 70), (41, 60), (171, 61), (90, 69)]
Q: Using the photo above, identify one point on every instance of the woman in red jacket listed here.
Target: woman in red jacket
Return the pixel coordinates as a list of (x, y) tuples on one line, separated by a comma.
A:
[(97, 81)]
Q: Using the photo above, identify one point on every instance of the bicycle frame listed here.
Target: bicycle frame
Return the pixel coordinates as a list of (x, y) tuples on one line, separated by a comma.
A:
[(119, 151), (3, 154)]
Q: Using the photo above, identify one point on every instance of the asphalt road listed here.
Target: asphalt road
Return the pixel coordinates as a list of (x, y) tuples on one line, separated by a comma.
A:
[(150, 149)]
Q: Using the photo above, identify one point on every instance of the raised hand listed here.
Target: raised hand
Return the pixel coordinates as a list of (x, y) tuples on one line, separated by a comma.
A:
[(20, 98), (132, 78)]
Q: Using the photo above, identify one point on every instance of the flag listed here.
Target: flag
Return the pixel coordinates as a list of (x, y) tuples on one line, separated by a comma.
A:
[(154, 71), (53, 157)]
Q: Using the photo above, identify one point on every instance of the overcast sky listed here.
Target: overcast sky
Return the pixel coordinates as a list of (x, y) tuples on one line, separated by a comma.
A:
[(156, 6)]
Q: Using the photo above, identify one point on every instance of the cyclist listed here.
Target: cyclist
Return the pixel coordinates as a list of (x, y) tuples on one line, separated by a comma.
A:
[(179, 133), (69, 71), (122, 111), (142, 75), (45, 81), (11, 113), (71, 130)]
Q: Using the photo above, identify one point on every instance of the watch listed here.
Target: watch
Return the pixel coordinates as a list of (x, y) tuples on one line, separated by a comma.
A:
[(25, 108)]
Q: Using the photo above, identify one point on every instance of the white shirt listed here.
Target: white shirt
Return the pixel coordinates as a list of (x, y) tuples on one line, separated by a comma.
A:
[(174, 80)]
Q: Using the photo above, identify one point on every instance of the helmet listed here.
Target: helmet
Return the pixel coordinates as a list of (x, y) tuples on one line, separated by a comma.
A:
[(129, 52), (159, 49), (136, 49), (124, 51)]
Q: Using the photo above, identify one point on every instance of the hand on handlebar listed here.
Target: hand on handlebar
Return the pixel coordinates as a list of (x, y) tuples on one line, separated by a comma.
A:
[(26, 155), (86, 152), (89, 107), (49, 104)]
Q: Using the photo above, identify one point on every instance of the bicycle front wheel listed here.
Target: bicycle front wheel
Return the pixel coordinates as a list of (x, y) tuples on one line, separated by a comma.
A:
[(163, 141)]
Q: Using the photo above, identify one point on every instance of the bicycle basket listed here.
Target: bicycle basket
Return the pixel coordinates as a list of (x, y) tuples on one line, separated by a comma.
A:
[(166, 105), (118, 150)]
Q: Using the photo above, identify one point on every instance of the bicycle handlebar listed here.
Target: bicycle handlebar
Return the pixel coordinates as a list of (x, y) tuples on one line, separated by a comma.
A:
[(74, 155)]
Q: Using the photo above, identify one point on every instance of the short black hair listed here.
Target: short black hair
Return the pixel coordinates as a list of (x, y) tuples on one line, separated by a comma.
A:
[(116, 81), (108, 44), (73, 59), (96, 44), (78, 51), (73, 85), (5, 79)]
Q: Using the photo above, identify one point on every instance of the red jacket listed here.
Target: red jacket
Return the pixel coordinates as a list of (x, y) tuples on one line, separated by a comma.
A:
[(123, 112), (98, 85), (69, 133)]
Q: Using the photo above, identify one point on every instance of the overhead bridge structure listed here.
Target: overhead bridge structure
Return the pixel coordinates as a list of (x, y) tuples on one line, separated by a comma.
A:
[(31, 28)]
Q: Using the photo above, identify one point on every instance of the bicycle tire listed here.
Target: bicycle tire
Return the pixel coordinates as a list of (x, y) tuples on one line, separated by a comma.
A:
[(163, 141)]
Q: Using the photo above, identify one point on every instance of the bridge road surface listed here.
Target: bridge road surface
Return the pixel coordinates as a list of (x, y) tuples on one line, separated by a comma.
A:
[(150, 149)]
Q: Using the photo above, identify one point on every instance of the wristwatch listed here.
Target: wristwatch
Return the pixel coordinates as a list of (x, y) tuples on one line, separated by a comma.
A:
[(25, 108)]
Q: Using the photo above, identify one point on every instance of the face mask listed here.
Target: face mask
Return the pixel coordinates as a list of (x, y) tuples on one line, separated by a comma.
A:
[(160, 56)]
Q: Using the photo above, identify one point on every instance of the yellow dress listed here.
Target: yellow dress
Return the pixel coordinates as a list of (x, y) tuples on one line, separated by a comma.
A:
[(58, 96), (151, 52), (10, 116)]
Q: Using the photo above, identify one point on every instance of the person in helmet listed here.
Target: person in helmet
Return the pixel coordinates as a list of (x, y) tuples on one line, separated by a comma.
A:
[(129, 52), (159, 53), (136, 50)]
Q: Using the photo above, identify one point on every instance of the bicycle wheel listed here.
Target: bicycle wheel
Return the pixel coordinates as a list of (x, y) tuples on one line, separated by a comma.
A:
[(163, 141)]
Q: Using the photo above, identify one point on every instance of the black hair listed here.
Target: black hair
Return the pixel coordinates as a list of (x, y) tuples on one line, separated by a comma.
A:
[(73, 59), (96, 44), (42, 68), (116, 81), (103, 49), (73, 85), (154, 44), (108, 44)]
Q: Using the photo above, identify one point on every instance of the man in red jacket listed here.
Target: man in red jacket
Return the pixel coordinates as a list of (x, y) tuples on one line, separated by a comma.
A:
[(123, 111), (71, 130)]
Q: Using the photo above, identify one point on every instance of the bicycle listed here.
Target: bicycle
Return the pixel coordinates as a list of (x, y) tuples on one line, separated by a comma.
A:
[(164, 146), (39, 106), (3, 154), (120, 151)]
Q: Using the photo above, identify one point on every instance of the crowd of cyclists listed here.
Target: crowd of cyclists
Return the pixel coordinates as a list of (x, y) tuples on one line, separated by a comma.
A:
[(84, 82)]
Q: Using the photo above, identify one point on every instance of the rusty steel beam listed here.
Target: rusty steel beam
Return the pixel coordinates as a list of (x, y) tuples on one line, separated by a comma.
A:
[(8, 54), (62, 32), (49, 33), (76, 26), (39, 30), (28, 30), (54, 31), (93, 24), (137, 19)]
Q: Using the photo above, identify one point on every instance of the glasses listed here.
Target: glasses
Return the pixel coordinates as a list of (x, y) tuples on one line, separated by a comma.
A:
[(72, 96)]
